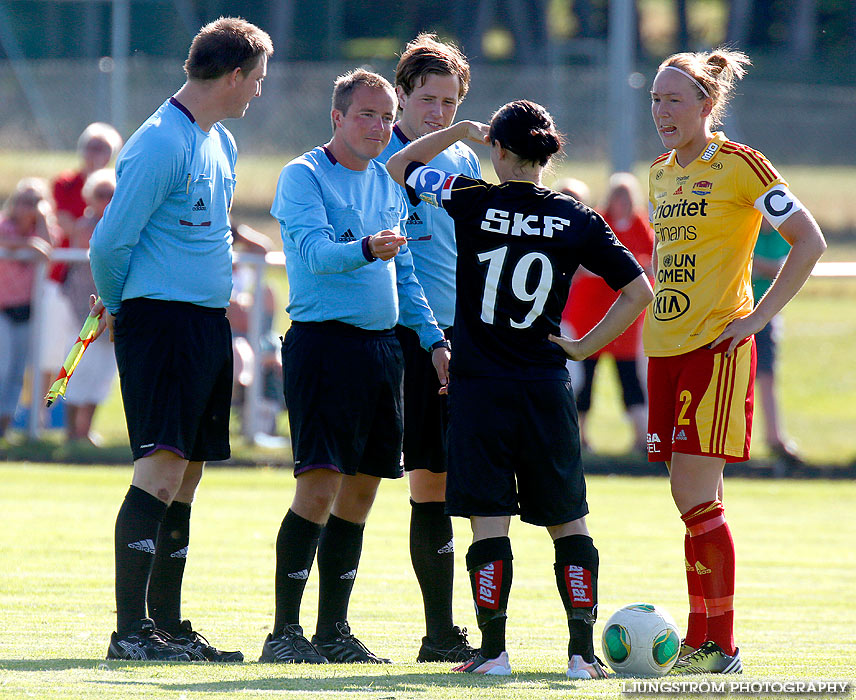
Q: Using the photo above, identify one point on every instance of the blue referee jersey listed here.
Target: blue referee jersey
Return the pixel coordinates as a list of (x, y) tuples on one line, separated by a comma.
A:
[(166, 234), (326, 213)]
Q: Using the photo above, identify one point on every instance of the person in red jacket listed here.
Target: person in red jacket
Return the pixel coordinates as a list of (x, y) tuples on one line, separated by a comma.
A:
[(97, 145), (591, 297)]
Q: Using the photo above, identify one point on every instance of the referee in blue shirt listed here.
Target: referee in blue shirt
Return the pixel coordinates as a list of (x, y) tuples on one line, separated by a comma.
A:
[(431, 79), (162, 261), (351, 280)]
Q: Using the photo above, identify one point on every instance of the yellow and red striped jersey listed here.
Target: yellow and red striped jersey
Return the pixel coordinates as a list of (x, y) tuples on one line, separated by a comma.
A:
[(706, 218)]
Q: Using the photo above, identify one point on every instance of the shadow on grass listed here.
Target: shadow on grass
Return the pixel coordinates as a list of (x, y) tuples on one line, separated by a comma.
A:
[(370, 682), (41, 665), (54, 449), (390, 683), (633, 464)]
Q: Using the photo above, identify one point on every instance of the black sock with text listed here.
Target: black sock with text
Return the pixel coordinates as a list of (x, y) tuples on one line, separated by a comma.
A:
[(576, 578), (490, 569)]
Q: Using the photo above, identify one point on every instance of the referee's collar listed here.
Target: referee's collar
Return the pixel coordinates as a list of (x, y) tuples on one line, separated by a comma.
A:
[(396, 129), (329, 154), (181, 108)]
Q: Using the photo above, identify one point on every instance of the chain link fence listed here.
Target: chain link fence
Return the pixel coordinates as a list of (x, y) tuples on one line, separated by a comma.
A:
[(810, 124)]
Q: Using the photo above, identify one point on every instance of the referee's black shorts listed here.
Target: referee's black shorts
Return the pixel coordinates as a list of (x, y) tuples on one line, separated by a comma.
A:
[(175, 372), (426, 413), (343, 389), (514, 447)]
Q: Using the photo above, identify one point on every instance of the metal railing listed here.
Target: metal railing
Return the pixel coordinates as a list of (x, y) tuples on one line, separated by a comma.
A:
[(252, 396), (250, 415)]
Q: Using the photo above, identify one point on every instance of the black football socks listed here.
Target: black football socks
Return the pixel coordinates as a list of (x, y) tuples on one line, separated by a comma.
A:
[(339, 550), (136, 535), (168, 570), (296, 544), (576, 577), (432, 553), (490, 569)]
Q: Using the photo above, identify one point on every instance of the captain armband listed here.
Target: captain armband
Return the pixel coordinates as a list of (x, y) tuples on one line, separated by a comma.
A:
[(777, 205)]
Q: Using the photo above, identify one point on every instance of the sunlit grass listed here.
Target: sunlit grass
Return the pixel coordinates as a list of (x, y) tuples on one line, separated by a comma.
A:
[(794, 571)]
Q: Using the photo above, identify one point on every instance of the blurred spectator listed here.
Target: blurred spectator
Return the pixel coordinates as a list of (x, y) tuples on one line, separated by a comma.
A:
[(580, 191), (575, 188), (94, 376), (269, 369), (769, 256), (97, 146), (25, 222), (591, 297)]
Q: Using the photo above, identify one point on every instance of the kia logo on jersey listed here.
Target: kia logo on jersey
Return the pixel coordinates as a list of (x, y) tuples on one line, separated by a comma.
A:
[(670, 304)]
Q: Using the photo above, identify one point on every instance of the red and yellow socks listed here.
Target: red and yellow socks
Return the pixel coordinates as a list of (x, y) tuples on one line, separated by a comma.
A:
[(697, 619), (713, 553)]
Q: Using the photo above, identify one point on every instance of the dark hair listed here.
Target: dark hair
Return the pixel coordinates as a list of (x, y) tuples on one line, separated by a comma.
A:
[(343, 88), (223, 45), (425, 55), (527, 130)]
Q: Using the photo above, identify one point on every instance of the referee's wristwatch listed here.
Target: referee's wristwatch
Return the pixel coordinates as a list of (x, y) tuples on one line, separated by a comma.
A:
[(441, 344)]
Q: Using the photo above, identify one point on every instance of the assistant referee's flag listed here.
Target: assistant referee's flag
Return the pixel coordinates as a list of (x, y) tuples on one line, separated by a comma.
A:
[(87, 335)]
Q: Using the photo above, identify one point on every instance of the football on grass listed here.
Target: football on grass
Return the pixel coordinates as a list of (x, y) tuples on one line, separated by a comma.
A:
[(641, 640)]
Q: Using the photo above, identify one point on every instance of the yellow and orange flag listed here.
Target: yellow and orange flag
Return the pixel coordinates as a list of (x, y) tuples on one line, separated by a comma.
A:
[(87, 335)]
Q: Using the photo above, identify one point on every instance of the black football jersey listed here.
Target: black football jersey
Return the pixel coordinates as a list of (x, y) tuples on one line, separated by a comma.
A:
[(518, 248)]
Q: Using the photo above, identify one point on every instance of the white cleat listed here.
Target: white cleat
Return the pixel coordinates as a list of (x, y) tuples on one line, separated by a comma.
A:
[(582, 670), (500, 666)]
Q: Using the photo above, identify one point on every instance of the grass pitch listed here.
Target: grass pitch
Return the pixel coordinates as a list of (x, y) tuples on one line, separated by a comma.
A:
[(795, 576)]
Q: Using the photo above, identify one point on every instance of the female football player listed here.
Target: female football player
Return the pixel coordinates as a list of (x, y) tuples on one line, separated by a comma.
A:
[(706, 199), (513, 438)]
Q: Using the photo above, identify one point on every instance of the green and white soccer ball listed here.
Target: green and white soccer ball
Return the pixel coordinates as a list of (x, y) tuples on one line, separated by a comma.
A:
[(641, 640)]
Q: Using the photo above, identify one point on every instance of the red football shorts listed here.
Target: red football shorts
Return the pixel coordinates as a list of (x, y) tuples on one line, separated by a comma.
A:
[(700, 403)]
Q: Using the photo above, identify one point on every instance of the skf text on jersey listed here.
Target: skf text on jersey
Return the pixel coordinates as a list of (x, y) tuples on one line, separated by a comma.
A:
[(515, 224)]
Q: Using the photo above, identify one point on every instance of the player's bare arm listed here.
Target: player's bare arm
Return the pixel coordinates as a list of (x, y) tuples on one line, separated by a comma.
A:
[(429, 146), (634, 297), (807, 245)]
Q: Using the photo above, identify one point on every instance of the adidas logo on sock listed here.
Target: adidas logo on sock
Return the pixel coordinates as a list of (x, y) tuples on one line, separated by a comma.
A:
[(347, 237), (349, 575), (701, 568), (180, 554), (413, 220), (144, 546), (303, 574), (199, 206), (448, 548)]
